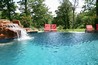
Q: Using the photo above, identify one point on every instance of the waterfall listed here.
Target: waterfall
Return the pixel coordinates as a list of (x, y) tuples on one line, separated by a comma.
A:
[(24, 35), (21, 32)]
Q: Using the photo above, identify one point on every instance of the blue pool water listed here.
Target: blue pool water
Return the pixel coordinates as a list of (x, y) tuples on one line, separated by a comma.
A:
[(51, 49)]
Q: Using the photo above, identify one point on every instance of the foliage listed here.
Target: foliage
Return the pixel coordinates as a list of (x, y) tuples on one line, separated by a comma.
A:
[(37, 10), (40, 13), (85, 18), (25, 15), (26, 20), (7, 8), (63, 14), (24, 9), (89, 4), (92, 8), (74, 6), (34, 13)]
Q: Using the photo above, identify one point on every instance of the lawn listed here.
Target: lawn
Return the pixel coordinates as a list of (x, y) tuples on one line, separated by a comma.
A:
[(72, 30)]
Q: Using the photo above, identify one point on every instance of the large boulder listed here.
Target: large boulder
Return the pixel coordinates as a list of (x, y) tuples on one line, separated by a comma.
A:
[(7, 33)]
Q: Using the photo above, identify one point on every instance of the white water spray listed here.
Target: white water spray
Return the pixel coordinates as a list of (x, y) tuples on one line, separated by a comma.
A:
[(24, 35)]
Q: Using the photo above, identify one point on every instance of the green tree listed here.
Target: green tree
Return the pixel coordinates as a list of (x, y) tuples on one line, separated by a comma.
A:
[(40, 13), (37, 11), (85, 17), (74, 6), (63, 14), (96, 20), (89, 5), (24, 7), (25, 15), (97, 7), (7, 8)]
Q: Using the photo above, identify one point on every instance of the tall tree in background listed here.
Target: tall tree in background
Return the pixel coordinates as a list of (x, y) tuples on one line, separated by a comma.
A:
[(97, 7), (25, 15), (87, 15), (85, 18), (74, 6), (36, 11), (90, 5), (63, 14), (40, 13), (96, 20), (24, 9), (7, 7), (2, 5)]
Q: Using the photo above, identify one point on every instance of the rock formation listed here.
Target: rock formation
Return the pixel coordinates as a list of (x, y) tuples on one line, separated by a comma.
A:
[(6, 31)]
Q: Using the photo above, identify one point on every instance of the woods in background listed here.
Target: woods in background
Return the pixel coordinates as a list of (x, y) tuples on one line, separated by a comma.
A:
[(34, 13)]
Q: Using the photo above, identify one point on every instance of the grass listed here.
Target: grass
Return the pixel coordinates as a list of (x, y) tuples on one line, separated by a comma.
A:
[(65, 30), (71, 30)]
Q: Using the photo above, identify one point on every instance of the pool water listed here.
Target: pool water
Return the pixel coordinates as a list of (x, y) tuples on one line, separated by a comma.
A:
[(51, 49)]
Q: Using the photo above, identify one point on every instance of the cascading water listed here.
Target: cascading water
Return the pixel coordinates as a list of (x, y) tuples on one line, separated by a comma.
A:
[(21, 32), (24, 35)]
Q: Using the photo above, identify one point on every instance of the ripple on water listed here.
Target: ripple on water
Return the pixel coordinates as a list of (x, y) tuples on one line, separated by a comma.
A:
[(52, 49)]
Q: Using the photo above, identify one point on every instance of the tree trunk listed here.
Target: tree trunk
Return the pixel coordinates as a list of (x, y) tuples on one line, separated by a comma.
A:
[(96, 7), (67, 22), (73, 17), (26, 7), (96, 19), (8, 8)]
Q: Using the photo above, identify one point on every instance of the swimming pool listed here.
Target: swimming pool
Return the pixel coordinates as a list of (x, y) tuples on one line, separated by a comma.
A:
[(52, 49)]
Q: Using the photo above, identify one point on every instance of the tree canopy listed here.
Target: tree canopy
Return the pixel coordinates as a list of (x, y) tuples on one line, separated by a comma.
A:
[(35, 13), (7, 9), (64, 14)]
